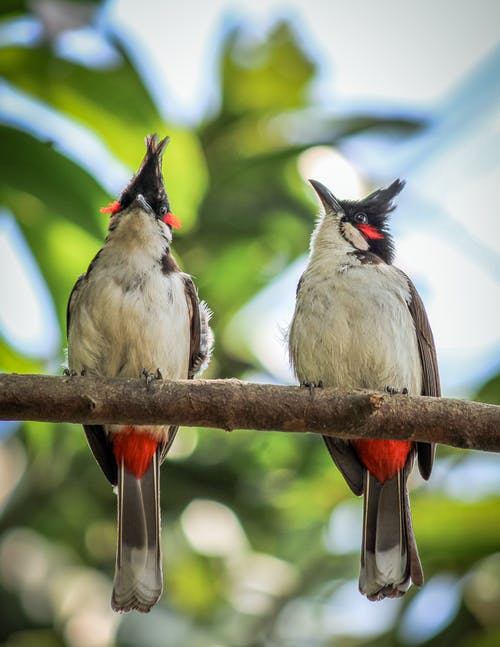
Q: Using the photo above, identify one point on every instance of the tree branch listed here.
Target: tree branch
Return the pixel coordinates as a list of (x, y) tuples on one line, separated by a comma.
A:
[(232, 404)]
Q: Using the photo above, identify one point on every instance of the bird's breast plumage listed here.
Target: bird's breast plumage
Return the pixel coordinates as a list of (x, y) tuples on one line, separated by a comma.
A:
[(352, 328), (126, 318)]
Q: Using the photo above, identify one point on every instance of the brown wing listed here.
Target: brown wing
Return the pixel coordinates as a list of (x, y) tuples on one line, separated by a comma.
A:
[(76, 287), (299, 285), (430, 374), (96, 436), (194, 349), (194, 315), (102, 449), (345, 458)]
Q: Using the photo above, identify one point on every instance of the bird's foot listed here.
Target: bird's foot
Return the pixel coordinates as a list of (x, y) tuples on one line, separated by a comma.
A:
[(312, 385), (69, 373), (147, 375), (393, 391), (150, 377)]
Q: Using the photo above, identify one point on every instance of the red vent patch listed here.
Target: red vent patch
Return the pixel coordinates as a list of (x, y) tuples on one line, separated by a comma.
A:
[(382, 458), (135, 448)]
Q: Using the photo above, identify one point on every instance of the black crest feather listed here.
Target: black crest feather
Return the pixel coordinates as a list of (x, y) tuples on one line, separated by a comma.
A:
[(377, 206), (381, 199), (148, 181)]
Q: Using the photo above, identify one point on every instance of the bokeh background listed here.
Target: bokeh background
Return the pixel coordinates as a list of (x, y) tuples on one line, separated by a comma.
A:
[(261, 534)]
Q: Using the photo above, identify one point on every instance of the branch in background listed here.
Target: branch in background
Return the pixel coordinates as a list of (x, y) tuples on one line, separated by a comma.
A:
[(232, 404)]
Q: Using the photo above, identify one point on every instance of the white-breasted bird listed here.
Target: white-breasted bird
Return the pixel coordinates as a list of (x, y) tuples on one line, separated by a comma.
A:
[(135, 312), (360, 323)]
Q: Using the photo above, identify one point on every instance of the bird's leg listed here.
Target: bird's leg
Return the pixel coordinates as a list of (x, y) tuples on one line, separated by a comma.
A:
[(149, 377)]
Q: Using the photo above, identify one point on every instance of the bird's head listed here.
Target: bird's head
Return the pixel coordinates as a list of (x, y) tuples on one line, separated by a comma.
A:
[(362, 224), (145, 193)]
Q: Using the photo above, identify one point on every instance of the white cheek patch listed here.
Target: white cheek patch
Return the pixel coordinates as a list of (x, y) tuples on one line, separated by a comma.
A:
[(165, 230), (355, 237)]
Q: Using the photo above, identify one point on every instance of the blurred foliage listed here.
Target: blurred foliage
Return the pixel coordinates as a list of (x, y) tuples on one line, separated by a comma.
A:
[(268, 579), (490, 392)]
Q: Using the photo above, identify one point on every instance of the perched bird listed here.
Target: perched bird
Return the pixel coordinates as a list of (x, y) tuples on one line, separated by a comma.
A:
[(360, 323), (134, 312)]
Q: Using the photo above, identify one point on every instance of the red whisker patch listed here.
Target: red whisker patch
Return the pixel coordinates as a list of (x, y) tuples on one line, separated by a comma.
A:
[(113, 207), (172, 220), (370, 231)]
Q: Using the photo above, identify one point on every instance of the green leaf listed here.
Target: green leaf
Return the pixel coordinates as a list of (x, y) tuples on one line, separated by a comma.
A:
[(56, 204), (112, 101), (13, 8), (455, 534), (490, 391), (12, 361), (59, 185), (269, 75)]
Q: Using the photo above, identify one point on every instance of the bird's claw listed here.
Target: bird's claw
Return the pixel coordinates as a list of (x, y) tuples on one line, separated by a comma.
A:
[(312, 385), (150, 377), (70, 373), (393, 391)]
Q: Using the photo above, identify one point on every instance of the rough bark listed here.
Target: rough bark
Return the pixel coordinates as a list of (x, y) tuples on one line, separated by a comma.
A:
[(232, 404)]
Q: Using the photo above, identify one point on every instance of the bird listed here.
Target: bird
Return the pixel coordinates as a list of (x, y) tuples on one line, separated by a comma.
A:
[(134, 313), (359, 323)]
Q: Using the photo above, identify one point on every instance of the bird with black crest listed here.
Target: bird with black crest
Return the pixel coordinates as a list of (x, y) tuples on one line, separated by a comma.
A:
[(359, 323), (135, 313)]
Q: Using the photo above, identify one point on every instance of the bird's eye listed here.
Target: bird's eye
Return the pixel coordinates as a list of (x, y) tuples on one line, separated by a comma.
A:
[(163, 209), (360, 218)]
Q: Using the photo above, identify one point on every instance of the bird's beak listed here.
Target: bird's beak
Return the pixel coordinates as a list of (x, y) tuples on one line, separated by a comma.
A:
[(328, 200), (140, 202)]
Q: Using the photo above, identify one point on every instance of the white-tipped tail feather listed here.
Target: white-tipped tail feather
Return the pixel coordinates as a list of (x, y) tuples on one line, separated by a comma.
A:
[(138, 575), (389, 556)]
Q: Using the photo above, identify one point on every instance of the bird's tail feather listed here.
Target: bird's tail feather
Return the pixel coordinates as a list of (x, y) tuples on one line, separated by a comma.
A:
[(389, 556), (138, 574)]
